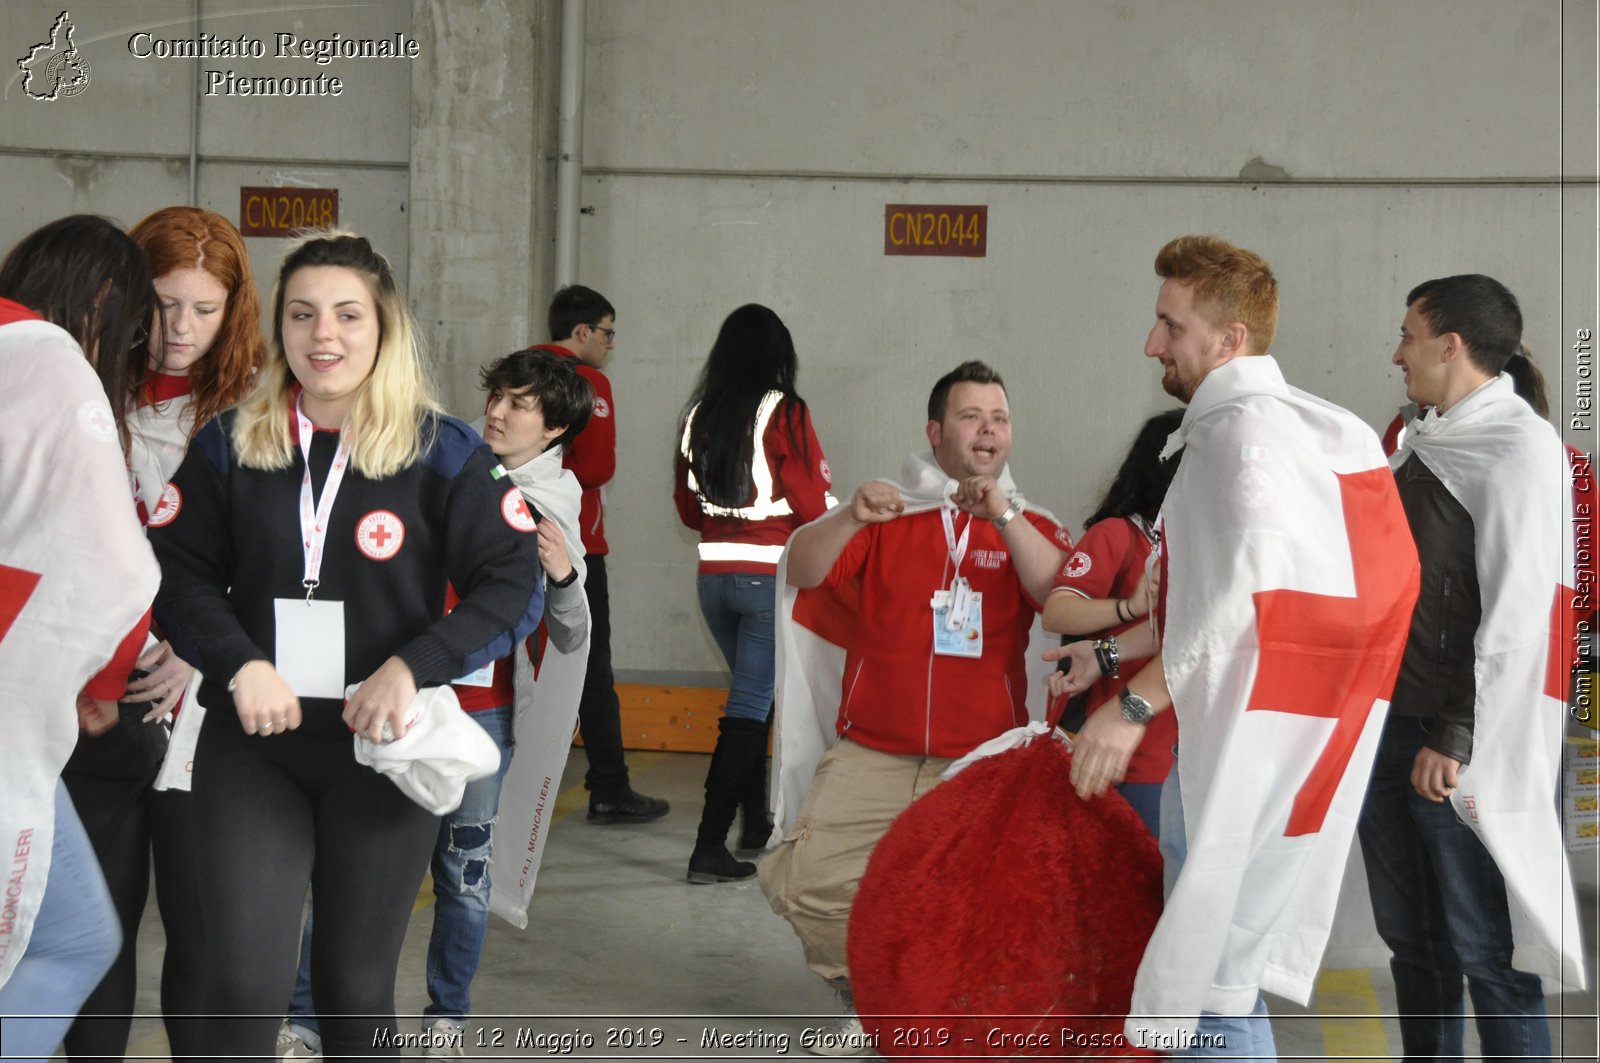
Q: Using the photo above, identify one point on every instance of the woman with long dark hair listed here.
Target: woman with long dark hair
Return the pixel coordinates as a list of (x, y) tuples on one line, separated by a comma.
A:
[(749, 472), (1099, 593), (76, 579), (204, 349)]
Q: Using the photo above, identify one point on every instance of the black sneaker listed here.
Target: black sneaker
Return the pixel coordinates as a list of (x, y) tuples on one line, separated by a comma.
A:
[(635, 808)]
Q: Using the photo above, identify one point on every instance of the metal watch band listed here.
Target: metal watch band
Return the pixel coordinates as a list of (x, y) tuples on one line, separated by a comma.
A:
[(1134, 708)]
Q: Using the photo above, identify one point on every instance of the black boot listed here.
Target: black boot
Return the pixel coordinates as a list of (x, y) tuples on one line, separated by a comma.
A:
[(756, 822), (741, 747)]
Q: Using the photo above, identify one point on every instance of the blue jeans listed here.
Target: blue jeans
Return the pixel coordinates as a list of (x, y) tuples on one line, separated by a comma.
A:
[(460, 890), (1216, 1036), (1145, 799), (75, 938), (1440, 905), (738, 607)]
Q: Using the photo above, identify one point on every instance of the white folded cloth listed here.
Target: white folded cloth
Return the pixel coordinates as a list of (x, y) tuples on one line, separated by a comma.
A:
[(442, 751)]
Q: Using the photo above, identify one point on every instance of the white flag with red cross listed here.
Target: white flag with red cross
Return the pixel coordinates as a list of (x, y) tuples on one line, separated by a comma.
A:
[(76, 574), (1291, 575)]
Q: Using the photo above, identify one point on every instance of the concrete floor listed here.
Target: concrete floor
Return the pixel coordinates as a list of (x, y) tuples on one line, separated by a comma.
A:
[(620, 946)]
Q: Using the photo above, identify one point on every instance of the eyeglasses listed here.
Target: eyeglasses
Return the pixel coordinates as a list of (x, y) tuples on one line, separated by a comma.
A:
[(610, 333)]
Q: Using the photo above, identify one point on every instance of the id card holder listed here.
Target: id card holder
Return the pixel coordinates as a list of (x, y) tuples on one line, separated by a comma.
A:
[(965, 641), (482, 677), (310, 646)]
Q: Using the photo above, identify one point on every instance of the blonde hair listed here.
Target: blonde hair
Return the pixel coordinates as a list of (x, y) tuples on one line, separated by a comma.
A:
[(1230, 284), (385, 424)]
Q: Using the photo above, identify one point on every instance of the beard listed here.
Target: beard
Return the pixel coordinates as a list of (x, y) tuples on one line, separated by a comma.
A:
[(1173, 384)]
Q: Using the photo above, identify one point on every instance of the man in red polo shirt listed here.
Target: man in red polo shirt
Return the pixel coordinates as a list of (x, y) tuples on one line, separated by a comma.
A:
[(583, 326), (947, 569)]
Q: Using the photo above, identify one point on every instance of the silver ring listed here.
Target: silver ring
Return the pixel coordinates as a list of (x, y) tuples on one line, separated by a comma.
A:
[(264, 726), (280, 723)]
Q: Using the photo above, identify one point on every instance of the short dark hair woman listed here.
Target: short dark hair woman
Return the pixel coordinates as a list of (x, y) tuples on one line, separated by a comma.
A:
[(749, 472)]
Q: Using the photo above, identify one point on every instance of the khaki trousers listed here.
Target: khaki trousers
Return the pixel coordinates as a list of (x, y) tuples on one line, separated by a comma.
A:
[(811, 877)]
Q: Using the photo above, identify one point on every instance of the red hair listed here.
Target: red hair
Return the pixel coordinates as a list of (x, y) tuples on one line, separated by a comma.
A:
[(1230, 284), (175, 238)]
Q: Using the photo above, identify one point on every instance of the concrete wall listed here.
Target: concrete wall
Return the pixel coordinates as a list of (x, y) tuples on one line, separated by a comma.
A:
[(122, 146), (743, 151)]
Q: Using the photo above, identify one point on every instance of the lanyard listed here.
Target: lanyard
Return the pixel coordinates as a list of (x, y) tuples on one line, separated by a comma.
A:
[(314, 522), (958, 550), (960, 607)]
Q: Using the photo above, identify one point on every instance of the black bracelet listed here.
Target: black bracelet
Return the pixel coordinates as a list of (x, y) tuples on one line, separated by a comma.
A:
[(1105, 655), (1120, 617), (569, 580)]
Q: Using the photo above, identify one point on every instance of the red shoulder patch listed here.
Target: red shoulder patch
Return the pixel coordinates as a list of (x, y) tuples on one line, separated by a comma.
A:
[(168, 508), (515, 511)]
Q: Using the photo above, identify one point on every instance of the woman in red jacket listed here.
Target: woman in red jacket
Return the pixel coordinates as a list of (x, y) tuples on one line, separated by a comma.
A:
[(749, 472)]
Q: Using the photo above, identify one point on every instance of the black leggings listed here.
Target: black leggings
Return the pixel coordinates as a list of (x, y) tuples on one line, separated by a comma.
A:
[(273, 815), (126, 821)]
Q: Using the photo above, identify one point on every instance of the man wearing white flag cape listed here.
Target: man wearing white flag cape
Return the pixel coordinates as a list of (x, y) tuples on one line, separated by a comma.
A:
[(1463, 847), (1288, 577)]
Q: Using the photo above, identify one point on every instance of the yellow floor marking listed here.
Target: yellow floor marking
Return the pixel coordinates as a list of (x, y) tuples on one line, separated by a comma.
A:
[(1351, 1028), (572, 799)]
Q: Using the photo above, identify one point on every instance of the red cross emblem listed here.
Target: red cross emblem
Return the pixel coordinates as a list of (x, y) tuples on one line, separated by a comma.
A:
[(515, 511), (380, 534), (1078, 565), (1328, 656), (167, 508), (16, 587)]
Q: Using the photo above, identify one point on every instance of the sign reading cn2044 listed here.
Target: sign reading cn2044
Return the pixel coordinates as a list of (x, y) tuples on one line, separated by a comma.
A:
[(927, 229)]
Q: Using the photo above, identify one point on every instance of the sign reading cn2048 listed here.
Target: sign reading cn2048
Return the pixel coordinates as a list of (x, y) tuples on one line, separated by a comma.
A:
[(928, 229)]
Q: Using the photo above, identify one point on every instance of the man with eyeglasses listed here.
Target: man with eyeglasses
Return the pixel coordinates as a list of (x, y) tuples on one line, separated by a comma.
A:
[(583, 327)]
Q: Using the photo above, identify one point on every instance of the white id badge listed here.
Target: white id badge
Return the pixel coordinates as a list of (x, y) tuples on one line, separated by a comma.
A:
[(966, 640), (310, 637), (483, 677)]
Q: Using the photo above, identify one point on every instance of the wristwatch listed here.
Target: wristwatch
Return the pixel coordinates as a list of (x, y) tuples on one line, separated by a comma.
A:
[(1134, 708), (566, 581), (1005, 518)]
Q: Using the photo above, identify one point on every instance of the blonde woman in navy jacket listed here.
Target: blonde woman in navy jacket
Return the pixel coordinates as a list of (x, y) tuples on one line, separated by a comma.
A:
[(317, 528)]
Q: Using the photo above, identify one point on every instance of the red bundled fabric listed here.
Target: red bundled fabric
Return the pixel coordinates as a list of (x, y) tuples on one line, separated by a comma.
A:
[(1008, 909)]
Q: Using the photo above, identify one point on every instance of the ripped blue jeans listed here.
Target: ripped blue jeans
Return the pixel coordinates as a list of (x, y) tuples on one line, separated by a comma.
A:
[(460, 890), (461, 882)]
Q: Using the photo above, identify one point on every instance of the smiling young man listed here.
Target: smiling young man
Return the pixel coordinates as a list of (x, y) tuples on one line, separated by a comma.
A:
[(1463, 847), (583, 328), (926, 682), (1288, 579)]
